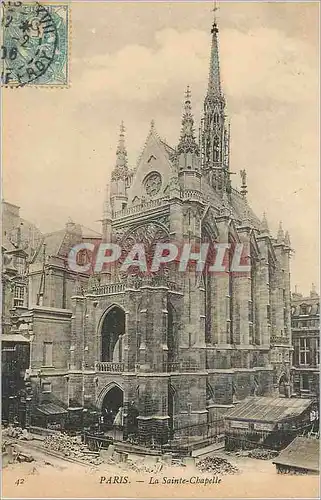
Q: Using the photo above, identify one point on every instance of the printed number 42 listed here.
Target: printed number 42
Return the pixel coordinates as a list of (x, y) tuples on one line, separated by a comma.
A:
[(19, 481)]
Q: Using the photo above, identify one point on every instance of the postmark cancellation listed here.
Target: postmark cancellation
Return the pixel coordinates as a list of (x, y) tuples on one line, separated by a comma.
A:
[(35, 44)]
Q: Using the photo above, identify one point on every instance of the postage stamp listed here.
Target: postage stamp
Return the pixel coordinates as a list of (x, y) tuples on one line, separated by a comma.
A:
[(35, 44)]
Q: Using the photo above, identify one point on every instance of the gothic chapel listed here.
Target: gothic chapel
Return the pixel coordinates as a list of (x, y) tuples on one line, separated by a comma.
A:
[(181, 348)]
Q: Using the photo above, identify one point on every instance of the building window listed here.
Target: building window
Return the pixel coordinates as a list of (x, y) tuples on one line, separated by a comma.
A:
[(305, 382), (304, 310), (20, 265), (317, 352), (304, 351), (82, 258), (47, 354), (46, 387), (18, 296)]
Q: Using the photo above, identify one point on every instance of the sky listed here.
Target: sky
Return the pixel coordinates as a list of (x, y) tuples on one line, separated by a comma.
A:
[(132, 61)]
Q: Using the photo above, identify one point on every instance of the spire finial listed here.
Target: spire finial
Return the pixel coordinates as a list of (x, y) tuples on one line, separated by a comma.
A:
[(188, 94), (152, 125), (214, 84), (215, 9), (187, 143), (121, 152)]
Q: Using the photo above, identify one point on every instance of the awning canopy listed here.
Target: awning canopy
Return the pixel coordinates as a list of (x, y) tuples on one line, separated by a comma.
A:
[(51, 409), (302, 453), (14, 337), (268, 409)]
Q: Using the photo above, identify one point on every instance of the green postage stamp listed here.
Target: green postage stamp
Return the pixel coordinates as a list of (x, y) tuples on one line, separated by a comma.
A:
[(35, 44)]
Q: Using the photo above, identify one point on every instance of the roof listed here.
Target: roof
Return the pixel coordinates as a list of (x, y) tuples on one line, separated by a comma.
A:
[(312, 303), (53, 242), (302, 452), (59, 243), (51, 409), (89, 233), (264, 409)]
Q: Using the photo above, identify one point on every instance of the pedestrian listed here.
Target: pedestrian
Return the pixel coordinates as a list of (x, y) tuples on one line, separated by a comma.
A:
[(119, 419)]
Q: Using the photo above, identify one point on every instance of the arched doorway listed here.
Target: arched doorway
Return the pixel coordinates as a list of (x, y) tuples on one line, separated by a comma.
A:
[(111, 403), (113, 329)]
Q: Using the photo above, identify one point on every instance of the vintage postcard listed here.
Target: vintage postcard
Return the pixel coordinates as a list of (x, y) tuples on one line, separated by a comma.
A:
[(160, 249)]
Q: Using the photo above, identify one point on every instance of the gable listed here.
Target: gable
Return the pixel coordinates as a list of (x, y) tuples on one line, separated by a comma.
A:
[(153, 172)]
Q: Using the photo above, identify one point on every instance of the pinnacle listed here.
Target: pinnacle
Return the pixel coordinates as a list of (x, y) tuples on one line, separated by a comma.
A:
[(280, 235), (287, 240), (187, 143), (264, 224), (106, 206), (121, 152)]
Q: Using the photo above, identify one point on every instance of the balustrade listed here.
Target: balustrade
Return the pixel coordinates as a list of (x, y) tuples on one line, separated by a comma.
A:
[(106, 366), (142, 207)]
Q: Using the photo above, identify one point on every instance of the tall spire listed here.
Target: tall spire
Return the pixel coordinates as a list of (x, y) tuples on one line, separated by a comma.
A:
[(215, 135), (121, 169), (214, 81), (187, 143)]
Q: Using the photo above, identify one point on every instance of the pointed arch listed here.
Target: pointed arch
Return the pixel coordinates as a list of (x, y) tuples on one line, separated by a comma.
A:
[(112, 328), (103, 393)]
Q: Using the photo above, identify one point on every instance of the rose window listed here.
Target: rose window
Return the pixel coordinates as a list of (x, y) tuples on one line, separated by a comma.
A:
[(152, 183)]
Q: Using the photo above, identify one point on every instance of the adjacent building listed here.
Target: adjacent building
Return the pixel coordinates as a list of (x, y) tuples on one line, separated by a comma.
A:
[(20, 239), (305, 317)]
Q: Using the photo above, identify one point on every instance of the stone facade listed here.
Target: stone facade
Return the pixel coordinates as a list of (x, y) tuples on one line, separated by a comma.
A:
[(306, 342), (177, 348)]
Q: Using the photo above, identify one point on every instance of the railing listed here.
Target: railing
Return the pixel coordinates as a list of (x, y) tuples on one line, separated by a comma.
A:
[(279, 340), (134, 282), (142, 207), (108, 289), (106, 366), (192, 194)]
